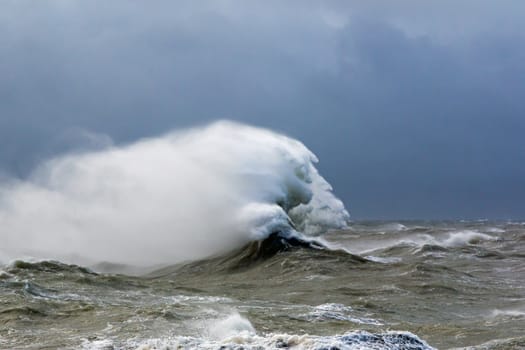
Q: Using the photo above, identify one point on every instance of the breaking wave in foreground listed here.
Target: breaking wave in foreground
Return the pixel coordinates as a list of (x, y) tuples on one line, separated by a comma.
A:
[(159, 201), (236, 333)]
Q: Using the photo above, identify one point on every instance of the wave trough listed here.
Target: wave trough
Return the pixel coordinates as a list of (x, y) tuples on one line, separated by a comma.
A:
[(185, 195)]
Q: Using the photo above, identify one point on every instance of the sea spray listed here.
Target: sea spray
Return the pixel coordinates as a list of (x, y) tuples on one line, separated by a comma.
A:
[(185, 195)]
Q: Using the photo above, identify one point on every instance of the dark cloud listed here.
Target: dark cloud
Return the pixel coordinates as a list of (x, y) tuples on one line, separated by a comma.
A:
[(415, 112)]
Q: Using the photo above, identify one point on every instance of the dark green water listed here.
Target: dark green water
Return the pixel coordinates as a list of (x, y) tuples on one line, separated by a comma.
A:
[(450, 284)]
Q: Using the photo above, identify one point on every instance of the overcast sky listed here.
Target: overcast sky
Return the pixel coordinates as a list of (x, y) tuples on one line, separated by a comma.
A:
[(416, 109)]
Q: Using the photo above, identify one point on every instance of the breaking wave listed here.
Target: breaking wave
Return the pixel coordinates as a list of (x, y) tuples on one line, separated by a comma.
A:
[(182, 196), (237, 333), (359, 340)]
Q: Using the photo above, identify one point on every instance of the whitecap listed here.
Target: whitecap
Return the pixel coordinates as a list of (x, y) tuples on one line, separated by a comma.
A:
[(338, 312), (460, 238)]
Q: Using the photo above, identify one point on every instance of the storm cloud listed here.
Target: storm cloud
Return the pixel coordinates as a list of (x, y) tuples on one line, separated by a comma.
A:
[(415, 109)]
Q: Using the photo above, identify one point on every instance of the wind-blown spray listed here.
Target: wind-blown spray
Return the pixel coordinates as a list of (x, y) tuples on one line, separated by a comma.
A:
[(184, 195)]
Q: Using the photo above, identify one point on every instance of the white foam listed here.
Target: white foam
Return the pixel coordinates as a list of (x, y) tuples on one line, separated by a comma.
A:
[(102, 344), (461, 238), (383, 260), (357, 340), (512, 313), (181, 196), (370, 247), (393, 227), (494, 230), (338, 312), (233, 325)]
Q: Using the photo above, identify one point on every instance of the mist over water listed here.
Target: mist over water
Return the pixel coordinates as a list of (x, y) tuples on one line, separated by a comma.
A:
[(184, 195)]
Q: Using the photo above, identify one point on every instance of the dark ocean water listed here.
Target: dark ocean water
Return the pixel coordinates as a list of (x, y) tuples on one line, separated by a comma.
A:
[(376, 285)]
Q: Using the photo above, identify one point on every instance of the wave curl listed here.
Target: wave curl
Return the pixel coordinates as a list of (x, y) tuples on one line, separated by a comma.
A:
[(182, 196)]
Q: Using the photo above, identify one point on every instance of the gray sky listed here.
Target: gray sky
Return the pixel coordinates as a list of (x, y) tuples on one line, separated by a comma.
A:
[(416, 109)]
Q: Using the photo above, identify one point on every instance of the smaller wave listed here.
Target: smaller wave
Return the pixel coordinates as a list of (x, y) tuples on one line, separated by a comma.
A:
[(233, 325), (494, 230), (395, 226), (452, 239), (388, 249), (483, 220), (383, 260), (390, 227), (18, 266), (338, 312), (256, 252), (461, 238), (509, 313)]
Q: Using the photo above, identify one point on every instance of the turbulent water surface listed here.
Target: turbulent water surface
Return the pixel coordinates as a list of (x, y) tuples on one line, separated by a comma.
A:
[(412, 285), (227, 237)]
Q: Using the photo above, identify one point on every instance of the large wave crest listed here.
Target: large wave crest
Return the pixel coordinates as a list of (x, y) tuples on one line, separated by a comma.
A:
[(185, 195)]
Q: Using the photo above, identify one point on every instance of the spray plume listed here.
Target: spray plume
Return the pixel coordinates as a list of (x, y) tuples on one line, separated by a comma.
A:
[(185, 195)]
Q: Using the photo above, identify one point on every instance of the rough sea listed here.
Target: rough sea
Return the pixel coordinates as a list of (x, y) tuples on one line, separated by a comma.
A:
[(381, 285), (227, 237)]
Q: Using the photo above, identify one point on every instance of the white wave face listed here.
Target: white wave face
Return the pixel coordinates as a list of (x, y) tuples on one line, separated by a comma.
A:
[(181, 196)]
